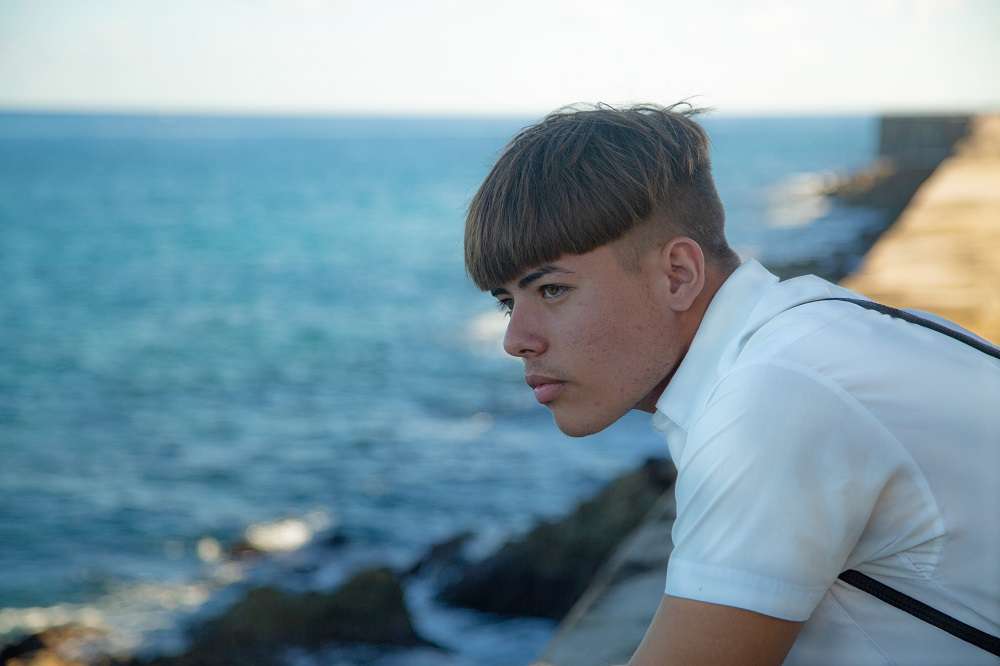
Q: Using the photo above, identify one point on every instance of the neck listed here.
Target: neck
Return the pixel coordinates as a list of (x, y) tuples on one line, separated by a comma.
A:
[(689, 322)]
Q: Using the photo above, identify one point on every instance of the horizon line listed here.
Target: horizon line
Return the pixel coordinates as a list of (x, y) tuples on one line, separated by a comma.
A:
[(301, 113)]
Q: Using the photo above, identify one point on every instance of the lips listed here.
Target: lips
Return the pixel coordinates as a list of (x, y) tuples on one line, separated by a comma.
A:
[(546, 388)]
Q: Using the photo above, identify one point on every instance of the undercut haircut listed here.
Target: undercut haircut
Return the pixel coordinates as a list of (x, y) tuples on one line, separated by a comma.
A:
[(587, 176)]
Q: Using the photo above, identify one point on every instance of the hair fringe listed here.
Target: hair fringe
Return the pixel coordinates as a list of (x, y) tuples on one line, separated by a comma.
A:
[(584, 176)]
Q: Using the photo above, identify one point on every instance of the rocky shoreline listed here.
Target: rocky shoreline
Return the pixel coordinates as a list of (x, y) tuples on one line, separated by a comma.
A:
[(910, 149), (882, 187), (541, 574)]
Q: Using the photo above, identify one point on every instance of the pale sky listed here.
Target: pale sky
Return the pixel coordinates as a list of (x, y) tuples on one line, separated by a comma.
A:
[(498, 56)]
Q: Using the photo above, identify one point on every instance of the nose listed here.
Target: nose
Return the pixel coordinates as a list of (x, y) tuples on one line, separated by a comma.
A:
[(523, 337)]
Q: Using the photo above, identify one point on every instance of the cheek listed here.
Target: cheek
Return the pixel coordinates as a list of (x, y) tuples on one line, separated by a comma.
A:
[(613, 347), (637, 353), (594, 335)]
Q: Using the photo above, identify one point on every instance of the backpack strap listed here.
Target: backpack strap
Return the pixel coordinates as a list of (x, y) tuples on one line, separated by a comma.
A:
[(984, 347), (920, 610), (865, 583)]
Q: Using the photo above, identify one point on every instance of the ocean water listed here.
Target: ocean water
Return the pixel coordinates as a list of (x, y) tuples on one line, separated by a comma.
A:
[(214, 329)]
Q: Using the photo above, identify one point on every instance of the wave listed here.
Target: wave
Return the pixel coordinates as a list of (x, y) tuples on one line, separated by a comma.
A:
[(799, 200)]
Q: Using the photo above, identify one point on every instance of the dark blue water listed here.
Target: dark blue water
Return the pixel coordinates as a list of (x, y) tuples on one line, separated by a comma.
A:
[(213, 323)]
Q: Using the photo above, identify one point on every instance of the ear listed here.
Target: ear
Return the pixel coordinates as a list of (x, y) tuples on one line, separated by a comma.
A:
[(682, 273)]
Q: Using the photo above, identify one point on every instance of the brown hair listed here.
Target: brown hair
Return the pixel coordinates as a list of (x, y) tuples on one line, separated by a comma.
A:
[(584, 177)]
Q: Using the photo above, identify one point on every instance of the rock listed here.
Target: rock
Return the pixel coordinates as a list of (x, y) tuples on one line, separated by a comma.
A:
[(336, 540), (441, 556), (243, 549), (833, 266), (65, 645), (910, 150), (882, 185), (368, 608), (544, 572)]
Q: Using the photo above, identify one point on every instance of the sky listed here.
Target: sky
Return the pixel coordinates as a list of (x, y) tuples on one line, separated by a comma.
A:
[(487, 57)]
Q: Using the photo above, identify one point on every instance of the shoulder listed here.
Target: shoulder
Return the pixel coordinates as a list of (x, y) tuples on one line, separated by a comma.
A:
[(778, 480), (788, 429), (775, 401)]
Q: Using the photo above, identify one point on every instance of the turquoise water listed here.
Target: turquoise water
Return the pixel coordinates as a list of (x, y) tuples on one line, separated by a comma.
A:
[(212, 323)]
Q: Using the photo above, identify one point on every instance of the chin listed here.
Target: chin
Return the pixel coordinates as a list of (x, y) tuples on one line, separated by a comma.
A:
[(581, 427)]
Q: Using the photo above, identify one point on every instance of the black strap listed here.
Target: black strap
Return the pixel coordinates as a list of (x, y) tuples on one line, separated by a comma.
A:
[(922, 611), (904, 602), (984, 347)]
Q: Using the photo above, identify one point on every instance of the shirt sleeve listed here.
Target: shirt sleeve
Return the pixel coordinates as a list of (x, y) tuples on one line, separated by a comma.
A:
[(778, 478)]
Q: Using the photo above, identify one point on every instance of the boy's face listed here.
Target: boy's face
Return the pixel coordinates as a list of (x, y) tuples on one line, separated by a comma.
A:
[(597, 340)]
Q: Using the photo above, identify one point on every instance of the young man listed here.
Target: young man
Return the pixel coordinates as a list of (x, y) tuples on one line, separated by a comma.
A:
[(808, 440)]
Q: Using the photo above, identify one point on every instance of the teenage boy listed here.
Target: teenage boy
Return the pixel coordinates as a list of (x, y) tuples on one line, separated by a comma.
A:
[(809, 441)]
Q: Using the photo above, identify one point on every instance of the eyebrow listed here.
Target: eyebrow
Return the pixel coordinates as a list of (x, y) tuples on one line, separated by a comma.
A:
[(531, 277)]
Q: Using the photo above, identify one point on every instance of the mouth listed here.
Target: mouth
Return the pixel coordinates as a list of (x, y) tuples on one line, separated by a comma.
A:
[(546, 389)]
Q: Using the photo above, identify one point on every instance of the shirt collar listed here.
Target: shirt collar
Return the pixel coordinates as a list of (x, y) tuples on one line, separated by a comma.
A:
[(720, 326)]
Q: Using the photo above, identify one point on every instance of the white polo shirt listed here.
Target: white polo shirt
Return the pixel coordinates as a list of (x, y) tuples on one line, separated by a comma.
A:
[(832, 437)]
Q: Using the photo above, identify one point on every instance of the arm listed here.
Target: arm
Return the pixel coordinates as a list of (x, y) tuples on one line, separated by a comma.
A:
[(693, 633)]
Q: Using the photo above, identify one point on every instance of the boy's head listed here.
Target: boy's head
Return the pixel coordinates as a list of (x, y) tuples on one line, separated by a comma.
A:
[(584, 177), (601, 233)]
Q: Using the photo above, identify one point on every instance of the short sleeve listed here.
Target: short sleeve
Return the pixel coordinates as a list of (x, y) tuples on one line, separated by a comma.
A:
[(778, 478)]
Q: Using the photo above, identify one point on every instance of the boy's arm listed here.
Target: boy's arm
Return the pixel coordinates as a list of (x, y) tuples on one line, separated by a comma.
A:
[(693, 633)]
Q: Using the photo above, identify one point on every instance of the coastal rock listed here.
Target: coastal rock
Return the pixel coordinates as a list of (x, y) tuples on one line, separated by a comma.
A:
[(831, 266), (65, 645), (442, 556), (544, 572), (336, 540), (368, 608), (909, 151), (884, 185), (243, 549)]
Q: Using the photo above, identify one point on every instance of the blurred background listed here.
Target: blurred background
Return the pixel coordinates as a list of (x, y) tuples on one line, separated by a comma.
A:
[(234, 317)]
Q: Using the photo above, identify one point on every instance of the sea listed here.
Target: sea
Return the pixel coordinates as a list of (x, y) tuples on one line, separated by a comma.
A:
[(224, 329)]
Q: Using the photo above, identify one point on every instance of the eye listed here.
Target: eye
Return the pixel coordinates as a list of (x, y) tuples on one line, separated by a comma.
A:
[(550, 291), (505, 306)]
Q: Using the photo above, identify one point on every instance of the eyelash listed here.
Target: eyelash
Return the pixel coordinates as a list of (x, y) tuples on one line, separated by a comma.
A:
[(506, 306)]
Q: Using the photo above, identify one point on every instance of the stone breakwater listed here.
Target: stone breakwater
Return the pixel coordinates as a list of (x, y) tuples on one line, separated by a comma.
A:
[(943, 253)]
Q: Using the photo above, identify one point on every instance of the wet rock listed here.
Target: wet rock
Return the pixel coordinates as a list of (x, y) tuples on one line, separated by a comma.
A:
[(368, 608), (544, 572), (336, 540), (441, 556), (243, 549), (883, 185), (65, 645), (833, 266)]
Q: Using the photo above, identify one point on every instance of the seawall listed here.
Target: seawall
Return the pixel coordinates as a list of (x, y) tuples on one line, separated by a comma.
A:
[(942, 255)]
